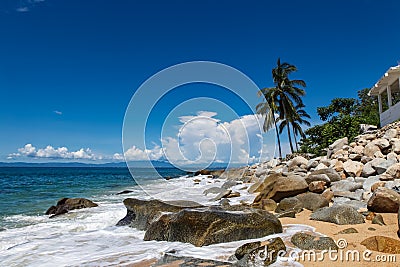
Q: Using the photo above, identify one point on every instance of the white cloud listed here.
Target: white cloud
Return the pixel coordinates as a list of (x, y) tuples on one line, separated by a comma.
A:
[(57, 112), (134, 153), (22, 9), (54, 153)]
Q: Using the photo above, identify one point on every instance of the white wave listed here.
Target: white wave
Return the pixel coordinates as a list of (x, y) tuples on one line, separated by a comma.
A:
[(89, 237)]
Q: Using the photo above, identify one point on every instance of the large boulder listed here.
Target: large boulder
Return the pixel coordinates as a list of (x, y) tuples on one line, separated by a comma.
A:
[(282, 186), (340, 214), (290, 203), (141, 213), (312, 201), (384, 200), (66, 204), (202, 227)]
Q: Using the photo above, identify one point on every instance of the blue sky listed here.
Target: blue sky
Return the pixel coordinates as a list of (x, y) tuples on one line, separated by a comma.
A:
[(68, 69)]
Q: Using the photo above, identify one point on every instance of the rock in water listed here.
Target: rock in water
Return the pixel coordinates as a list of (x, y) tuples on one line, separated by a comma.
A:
[(384, 200), (339, 214), (141, 213), (66, 204), (382, 244), (308, 242), (259, 253), (124, 192), (203, 227)]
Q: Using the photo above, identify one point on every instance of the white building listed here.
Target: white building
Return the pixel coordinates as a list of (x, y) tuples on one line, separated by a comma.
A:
[(388, 91)]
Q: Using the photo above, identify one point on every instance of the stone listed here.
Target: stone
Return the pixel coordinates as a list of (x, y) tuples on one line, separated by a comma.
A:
[(368, 170), (318, 178), (382, 143), (353, 168), (317, 186), (358, 150), (382, 244), (141, 213), (338, 166), (331, 173), (256, 253), (310, 242), (213, 190), (228, 184), (393, 172), (221, 195), (205, 226), (169, 259), (340, 214), (377, 185), (378, 219), (289, 214), (370, 149), (124, 192), (393, 157), (268, 205), (66, 204), (346, 231), (297, 162), (383, 166), (389, 134), (338, 144), (357, 195), (395, 142), (328, 194), (345, 185), (384, 200), (321, 166), (290, 203), (281, 187), (233, 194), (369, 182), (312, 201), (356, 204), (312, 163)]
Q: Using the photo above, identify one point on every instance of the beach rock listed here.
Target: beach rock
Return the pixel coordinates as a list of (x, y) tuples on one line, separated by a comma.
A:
[(328, 194), (393, 172), (384, 200), (268, 204), (383, 166), (378, 219), (206, 227), (312, 201), (141, 213), (308, 242), (339, 214), (353, 168), (169, 259), (356, 204), (318, 178), (370, 150), (357, 195), (368, 170), (281, 187), (382, 143), (233, 194), (390, 133), (382, 244), (331, 173), (350, 230), (370, 181), (290, 203), (124, 192), (338, 144), (288, 214), (221, 195), (297, 162), (345, 185), (66, 204), (213, 190), (317, 186), (259, 253), (228, 184), (377, 185), (395, 142), (338, 166)]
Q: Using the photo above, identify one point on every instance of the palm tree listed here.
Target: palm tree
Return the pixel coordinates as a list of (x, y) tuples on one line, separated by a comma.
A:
[(295, 122), (282, 98)]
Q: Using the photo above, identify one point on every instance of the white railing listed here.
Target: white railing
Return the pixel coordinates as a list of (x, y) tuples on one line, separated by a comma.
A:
[(390, 115)]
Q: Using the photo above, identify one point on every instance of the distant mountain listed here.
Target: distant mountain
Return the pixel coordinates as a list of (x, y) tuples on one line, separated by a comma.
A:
[(133, 164)]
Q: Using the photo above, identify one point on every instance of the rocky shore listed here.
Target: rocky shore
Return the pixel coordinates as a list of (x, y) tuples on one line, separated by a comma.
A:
[(351, 194)]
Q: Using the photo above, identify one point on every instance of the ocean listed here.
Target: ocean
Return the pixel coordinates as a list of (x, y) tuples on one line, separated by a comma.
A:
[(89, 237)]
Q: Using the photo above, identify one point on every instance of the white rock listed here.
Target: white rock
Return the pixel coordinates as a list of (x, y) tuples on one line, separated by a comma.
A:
[(353, 168), (370, 150), (381, 143), (338, 144), (389, 134)]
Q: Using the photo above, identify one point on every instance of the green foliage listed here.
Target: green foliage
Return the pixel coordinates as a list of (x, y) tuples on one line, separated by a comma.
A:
[(343, 118)]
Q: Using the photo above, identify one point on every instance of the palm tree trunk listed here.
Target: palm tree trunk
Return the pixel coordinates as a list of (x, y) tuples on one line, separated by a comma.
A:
[(290, 138), (278, 139), (295, 139)]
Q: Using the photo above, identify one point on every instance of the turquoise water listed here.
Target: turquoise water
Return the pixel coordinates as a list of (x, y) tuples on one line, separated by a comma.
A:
[(31, 190)]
